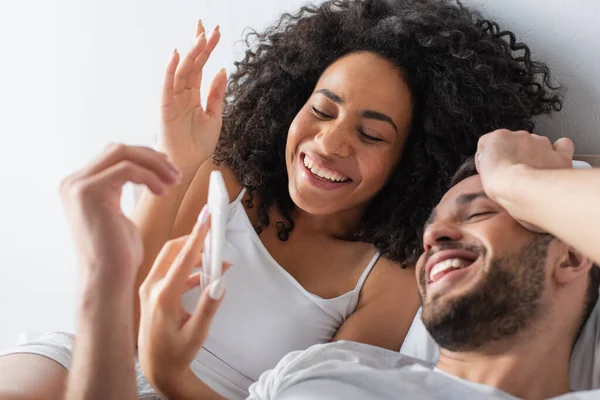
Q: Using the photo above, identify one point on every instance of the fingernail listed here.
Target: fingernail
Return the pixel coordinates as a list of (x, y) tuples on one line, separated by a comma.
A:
[(203, 217), (199, 21), (217, 288), (175, 51), (223, 71), (217, 28)]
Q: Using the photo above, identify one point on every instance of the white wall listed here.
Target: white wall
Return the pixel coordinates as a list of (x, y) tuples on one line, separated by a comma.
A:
[(76, 75), (566, 34)]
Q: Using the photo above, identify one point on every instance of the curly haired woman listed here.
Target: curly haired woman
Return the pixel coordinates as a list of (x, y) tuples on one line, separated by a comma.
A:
[(341, 127)]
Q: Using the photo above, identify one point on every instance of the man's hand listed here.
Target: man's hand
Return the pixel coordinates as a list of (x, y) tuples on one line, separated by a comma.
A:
[(110, 251), (500, 151), (503, 154), (107, 242)]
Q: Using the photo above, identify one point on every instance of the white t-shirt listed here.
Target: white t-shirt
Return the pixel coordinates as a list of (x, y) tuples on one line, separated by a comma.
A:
[(349, 371)]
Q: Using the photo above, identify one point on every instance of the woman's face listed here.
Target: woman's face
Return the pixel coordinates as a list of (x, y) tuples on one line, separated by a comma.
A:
[(347, 139)]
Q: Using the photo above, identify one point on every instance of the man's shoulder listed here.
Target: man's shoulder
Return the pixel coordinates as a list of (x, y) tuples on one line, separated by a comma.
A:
[(352, 352)]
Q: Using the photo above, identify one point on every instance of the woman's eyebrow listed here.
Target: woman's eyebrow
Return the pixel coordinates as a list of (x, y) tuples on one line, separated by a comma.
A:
[(331, 96)]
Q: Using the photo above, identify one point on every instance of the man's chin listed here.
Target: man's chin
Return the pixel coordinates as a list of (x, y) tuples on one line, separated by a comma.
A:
[(439, 303)]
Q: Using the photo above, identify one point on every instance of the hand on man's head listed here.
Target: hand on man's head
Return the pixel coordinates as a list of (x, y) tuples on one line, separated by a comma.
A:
[(107, 242), (503, 153)]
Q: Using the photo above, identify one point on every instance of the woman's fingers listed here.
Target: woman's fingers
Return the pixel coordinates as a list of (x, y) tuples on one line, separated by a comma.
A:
[(185, 69), (165, 258), (190, 255), (216, 95), (200, 28), (198, 324), (169, 83), (192, 281), (200, 62)]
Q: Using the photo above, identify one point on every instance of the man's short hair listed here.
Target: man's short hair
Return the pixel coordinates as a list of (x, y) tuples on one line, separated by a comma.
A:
[(467, 170)]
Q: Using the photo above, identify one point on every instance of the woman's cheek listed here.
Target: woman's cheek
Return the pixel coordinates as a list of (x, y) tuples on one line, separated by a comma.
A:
[(380, 163)]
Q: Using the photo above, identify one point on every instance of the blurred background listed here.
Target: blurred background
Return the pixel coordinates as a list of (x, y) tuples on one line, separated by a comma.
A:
[(77, 75)]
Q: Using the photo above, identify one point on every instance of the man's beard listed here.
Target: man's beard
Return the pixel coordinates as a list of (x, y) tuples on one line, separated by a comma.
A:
[(502, 304)]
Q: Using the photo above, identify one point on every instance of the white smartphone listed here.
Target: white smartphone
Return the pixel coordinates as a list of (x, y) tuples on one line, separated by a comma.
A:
[(218, 202)]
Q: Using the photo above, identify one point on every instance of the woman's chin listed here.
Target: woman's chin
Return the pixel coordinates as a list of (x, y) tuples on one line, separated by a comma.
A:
[(310, 203)]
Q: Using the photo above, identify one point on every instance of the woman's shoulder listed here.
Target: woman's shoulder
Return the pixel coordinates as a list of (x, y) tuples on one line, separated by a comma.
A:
[(234, 187), (389, 278), (196, 196)]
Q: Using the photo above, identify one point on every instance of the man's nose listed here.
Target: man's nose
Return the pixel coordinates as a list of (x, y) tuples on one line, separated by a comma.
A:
[(440, 232)]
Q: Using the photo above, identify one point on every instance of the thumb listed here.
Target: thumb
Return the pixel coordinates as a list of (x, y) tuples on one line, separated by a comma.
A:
[(216, 95), (201, 319), (564, 146)]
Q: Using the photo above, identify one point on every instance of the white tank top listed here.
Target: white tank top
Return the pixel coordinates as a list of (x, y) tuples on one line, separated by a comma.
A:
[(265, 314)]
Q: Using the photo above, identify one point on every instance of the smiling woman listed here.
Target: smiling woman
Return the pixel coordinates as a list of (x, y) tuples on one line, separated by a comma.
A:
[(346, 139)]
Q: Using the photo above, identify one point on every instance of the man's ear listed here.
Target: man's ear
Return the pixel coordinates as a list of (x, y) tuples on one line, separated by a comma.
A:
[(571, 266)]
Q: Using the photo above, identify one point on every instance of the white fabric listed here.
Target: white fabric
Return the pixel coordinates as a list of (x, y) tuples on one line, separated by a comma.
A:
[(585, 359), (58, 346), (355, 371)]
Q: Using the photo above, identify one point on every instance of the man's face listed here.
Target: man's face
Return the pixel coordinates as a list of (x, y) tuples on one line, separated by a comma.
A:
[(482, 275)]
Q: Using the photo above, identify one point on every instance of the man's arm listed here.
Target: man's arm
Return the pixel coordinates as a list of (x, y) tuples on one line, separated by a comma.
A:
[(103, 359), (109, 249), (564, 202)]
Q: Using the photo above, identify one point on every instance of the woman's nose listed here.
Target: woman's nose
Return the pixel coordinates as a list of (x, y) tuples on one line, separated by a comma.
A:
[(335, 139)]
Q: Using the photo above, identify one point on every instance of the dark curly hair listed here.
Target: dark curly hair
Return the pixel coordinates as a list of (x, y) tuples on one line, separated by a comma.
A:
[(466, 76)]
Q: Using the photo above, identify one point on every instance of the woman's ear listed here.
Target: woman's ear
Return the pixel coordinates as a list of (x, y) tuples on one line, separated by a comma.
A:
[(572, 266)]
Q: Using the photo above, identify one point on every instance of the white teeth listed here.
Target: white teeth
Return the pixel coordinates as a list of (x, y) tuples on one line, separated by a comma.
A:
[(322, 172), (446, 264)]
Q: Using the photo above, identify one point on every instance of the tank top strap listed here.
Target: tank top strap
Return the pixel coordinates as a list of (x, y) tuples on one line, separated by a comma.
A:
[(239, 197), (366, 272)]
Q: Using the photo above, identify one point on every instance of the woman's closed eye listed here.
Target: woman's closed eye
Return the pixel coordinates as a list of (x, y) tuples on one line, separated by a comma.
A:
[(369, 138), (320, 113)]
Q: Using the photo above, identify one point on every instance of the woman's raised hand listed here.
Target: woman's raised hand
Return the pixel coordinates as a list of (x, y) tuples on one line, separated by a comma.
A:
[(190, 132)]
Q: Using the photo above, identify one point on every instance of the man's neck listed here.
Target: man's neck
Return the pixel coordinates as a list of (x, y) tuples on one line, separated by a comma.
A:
[(537, 368)]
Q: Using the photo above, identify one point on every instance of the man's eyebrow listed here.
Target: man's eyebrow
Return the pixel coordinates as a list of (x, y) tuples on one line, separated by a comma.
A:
[(461, 200), (331, 96), (430, 219), (467, 198), (378, 116)]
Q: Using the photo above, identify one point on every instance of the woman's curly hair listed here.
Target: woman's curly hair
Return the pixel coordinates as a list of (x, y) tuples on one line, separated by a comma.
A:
[(466, 76)]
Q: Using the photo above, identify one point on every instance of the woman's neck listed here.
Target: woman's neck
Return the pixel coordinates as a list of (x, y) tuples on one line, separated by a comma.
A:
[(341, 225)]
